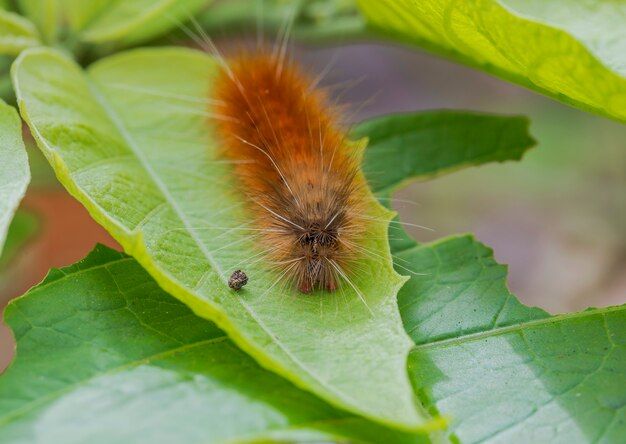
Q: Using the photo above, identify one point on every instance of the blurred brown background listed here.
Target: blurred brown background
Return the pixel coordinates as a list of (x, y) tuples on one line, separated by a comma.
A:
[(558, 218)]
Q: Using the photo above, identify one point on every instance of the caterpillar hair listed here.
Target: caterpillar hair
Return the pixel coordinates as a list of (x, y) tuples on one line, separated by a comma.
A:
[(295, 166)]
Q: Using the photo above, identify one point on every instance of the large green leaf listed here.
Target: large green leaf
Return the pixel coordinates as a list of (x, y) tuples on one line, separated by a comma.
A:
[(14, 172), (504, 372), (104, 355), (107, 21), (572, 51), (129, 139), (16, 33)]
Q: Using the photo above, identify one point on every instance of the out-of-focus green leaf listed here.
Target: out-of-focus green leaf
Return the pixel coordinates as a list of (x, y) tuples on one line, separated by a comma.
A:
[(21, 230), (46, 15), (130, 140), (42, 174), (423, 145), (16, 33), (501, 371), (6, 89), (105, 355), (309, 20), (108, 21), (14, 172), (132, 22), (572, 51)]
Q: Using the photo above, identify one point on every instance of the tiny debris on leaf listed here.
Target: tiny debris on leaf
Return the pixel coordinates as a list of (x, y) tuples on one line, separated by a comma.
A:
[(237, 280)]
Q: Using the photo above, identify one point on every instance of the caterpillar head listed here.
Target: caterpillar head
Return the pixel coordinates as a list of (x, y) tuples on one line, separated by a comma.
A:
[(320, 248)]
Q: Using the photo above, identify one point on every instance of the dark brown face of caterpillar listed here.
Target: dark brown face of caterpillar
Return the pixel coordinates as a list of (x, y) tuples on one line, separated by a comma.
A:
[(316, 218), (319, 245), (316, 236)]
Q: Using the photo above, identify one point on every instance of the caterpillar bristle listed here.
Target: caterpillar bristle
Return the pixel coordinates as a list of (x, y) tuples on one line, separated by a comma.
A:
[(294, 165)]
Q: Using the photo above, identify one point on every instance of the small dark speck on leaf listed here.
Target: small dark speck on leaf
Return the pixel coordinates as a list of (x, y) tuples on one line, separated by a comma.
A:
[(237, 280)]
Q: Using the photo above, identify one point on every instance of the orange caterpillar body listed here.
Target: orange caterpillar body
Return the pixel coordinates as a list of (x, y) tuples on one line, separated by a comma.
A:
[(295, 167)]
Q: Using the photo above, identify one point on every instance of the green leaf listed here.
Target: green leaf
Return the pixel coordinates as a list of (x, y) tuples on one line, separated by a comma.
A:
[(423, 145), (22, 229), (504, 372), (104, 21), (315, 21), (462, 291), (21, 232), (16, 33), (571, 51), (132, 22), (14, 172), (6, 89), (45, 14), (104, 355), (500, 371), (129, 139)]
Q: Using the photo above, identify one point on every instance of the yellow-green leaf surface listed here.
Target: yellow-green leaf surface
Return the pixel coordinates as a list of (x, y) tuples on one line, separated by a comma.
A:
[(503, 372), (572, 51), (129, 138), (14, 171), (108, 21), (16, 33), (45, 14), (106, 356)]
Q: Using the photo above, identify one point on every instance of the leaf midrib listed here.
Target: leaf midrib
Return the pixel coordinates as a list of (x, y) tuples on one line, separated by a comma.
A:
[(518, 327)]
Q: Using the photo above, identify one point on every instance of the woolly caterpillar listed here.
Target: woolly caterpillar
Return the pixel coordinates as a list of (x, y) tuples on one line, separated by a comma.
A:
[(294, 164), (295, 167)]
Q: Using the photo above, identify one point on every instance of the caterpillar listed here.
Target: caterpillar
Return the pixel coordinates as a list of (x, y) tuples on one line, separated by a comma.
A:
[(294, 165)]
